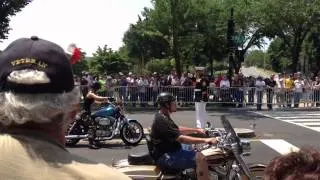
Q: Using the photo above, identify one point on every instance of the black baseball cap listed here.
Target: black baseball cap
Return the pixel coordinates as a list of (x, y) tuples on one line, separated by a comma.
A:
[(36, 54)]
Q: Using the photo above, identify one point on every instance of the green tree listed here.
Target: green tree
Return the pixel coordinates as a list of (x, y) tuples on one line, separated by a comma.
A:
[(249, 32), (258, 58), (279, 55), (176, 21), (163, 66), (192, 32), (311, 51), (188, 28), (9, 8), (105, 60), (213, 30), (291, 21), (143, 43)]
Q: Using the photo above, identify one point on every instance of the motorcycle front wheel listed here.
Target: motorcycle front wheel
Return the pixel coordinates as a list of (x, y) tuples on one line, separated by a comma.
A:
[(256, 171), (131, 133)]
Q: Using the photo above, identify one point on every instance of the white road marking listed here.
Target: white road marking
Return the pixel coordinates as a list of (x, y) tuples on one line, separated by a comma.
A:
[(300, 120), (295, 117), (311, 123), (280, 145), (306, 120)]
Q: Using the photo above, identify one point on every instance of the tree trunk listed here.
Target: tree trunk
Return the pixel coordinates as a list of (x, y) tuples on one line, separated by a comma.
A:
[(238, 63), (237, 66), (211, 64), (237, 70), (211, 67), (176, 57), (141, 62), (231, 66), (317, 59), (295, 58), (174, 37)]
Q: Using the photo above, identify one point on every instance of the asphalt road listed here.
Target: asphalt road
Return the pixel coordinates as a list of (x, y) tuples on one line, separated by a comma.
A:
[(274, 135)]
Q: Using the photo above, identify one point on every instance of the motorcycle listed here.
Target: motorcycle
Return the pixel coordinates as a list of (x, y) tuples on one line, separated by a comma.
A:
[(107, 123), (224, 159)]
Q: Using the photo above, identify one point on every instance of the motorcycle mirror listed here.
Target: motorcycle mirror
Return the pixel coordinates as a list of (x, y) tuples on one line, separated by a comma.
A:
[(208, 125)]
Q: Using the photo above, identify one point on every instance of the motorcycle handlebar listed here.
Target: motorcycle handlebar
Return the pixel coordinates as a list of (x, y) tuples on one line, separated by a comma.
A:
[(214, 133), (111, 99)]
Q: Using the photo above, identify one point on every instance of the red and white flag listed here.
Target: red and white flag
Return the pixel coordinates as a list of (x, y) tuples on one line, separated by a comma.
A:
[(75, 53)]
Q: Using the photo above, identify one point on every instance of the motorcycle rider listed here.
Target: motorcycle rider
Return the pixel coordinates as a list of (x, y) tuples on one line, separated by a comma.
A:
[(37, 100), (89, 99), (167, 137)]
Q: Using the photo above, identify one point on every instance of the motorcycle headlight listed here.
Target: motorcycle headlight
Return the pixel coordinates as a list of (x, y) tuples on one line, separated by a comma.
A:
[(246, 145)]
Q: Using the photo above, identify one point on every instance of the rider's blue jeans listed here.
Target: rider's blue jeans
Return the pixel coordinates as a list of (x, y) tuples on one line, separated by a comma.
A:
[(179, 160)]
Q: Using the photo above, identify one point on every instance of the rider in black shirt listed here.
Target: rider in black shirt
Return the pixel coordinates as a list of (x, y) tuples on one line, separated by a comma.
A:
[(90, 98), (167, 137), (164, 134)]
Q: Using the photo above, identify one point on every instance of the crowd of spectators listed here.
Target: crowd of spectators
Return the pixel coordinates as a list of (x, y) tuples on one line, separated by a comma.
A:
[(283, 89)]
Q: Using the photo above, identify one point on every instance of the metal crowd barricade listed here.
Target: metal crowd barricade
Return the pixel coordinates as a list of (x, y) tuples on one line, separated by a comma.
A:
[(240, 96)]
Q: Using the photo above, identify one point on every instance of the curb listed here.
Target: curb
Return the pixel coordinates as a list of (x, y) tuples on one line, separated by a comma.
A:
[(213, 107), (282, 109), (191, 108)]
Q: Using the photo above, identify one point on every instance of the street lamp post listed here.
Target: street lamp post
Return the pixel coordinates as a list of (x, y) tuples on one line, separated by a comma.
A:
[(230, 43)]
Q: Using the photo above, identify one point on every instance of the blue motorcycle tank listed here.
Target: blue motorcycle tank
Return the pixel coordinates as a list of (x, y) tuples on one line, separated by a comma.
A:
[(105, 111)]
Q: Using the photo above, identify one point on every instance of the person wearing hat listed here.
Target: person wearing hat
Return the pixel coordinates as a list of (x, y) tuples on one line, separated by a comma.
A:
[(169, 141), (37, 100), (201, 97)]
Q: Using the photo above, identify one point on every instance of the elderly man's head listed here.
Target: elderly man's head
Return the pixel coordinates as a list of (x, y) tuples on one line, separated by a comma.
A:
[(302, 165), (36, 84)]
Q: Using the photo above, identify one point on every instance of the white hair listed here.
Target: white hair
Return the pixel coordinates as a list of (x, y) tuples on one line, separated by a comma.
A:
[(20, 108)]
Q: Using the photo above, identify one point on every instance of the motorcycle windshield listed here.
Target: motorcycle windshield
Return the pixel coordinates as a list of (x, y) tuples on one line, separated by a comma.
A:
[(229, 129), (238, 149)]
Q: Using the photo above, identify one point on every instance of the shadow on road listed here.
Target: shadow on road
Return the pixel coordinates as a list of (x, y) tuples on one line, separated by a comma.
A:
[(242, 116), (115, 146)]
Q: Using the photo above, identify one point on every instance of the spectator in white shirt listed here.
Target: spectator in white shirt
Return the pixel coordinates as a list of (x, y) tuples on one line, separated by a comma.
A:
[(298, 89), (260, 85), (224, 92), (224, 83), (280, 93), (142, 84)]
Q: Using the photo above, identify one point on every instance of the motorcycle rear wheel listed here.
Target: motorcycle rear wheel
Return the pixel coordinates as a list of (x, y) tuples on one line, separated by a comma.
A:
[(127, 131), (75, 131)]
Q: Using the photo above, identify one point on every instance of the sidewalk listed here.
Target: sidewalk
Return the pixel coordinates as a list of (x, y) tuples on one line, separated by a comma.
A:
[(217, 107)]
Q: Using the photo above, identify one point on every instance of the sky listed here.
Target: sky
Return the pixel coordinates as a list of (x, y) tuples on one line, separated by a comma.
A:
[(87, 23)]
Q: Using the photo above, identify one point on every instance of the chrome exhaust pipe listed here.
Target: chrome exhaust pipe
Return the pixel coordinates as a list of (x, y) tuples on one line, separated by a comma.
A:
[(76, 136)]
